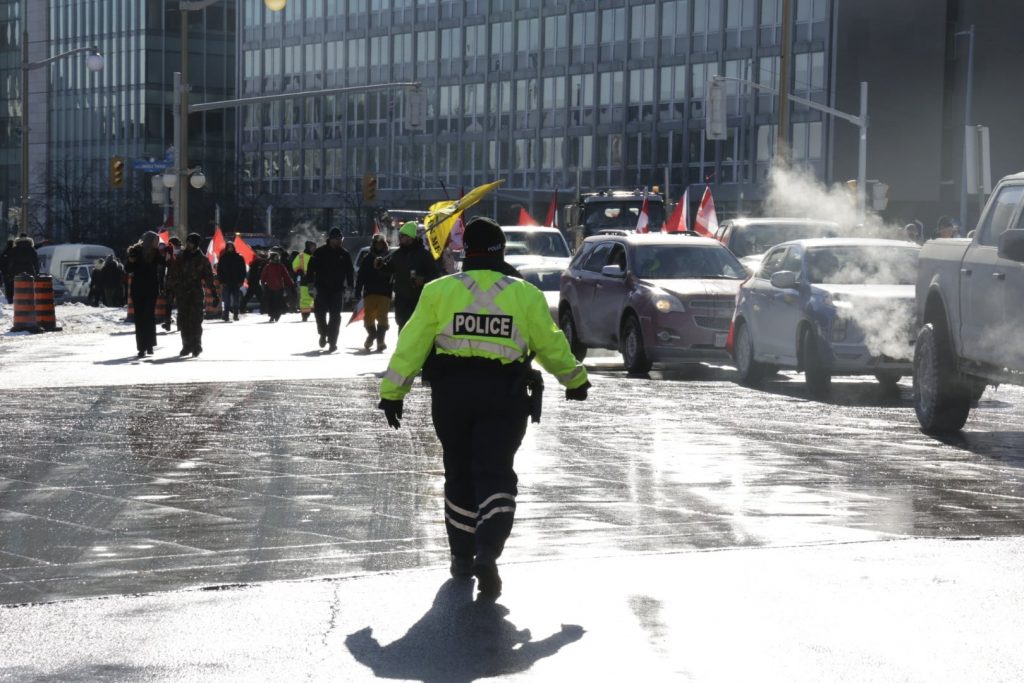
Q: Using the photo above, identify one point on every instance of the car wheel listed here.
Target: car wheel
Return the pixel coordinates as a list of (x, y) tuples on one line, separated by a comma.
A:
[(942, 399), (750, 371), (888, 379), (634, 356), (817, 374), (565, 321)]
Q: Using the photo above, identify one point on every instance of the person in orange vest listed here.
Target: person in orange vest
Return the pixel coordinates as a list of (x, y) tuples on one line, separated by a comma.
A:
[(300, 264)]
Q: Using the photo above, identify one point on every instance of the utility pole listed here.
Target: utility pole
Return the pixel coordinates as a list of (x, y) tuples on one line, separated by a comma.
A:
[(967, 122), (782, 134), (181, 86)]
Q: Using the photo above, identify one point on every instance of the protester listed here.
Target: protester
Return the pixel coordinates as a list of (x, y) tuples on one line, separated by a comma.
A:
[(255, 289), (112, 282), (189, 275), (330, 271), (411, 267), (168, 254), (300, 264), (944, 228), (373, 285), (275, 280), (22, 259), (145, 264), (5, 256), (231, 273)]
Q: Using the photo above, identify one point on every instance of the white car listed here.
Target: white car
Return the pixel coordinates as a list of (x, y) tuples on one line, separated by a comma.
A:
[(530, 245), (547, 279)]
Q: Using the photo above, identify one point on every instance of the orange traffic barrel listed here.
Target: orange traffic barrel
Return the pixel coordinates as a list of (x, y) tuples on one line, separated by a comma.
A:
[(160, 313), (46, 317), (24, 304), (130, 318), (211, 302)]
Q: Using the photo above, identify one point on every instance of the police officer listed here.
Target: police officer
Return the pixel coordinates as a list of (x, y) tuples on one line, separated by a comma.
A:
[(484, 326)]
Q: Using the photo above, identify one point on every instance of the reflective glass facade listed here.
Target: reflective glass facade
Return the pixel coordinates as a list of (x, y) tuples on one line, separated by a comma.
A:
[(538, 93), (10, 109), (126, 109)]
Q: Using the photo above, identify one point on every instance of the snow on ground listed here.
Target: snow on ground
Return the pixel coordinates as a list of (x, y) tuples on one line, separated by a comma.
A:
[(76, 318)]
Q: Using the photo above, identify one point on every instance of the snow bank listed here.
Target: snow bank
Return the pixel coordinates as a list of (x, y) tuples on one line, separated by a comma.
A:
[(74, 318)]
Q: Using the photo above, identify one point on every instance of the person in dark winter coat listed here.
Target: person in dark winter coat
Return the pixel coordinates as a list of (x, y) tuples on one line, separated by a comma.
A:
[(412, 267), (189, 275), (276, 281), (145, 264), (22, 259), (231, 273), (5, 256), (112, 282), (374, 286), (255, 289), (329, 271)]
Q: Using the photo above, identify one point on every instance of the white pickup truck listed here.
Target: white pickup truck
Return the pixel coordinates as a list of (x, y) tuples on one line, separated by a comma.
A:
[(970, 312)]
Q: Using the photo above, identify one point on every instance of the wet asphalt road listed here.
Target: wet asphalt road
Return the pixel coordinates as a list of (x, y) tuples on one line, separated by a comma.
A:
[(125, 488)]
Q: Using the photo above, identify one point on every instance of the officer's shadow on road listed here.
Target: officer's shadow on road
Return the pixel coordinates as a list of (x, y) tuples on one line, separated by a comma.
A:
[(457, 641)]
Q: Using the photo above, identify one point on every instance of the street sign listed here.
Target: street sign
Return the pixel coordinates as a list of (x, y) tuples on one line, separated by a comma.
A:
[(150, 165), (715, 122), (415, 109)]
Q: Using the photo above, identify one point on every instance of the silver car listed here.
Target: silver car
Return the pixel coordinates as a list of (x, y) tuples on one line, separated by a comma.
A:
[(841, 306)]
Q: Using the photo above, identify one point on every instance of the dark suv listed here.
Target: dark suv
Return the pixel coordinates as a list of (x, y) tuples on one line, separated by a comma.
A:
[(653, 297)]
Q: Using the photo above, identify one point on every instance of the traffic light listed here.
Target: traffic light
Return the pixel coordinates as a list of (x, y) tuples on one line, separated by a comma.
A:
[(117, 171), (369, 188)]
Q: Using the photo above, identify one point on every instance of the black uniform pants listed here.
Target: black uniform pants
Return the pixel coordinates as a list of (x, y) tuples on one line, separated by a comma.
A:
[(327, 309), (480, 419), (145, 323)]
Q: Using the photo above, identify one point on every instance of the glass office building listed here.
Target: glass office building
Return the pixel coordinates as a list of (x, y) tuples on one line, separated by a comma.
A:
[(545, 94), (81, 119)]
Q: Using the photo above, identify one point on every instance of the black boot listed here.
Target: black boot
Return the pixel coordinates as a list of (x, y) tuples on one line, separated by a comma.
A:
[(488, 582), (461, 567)]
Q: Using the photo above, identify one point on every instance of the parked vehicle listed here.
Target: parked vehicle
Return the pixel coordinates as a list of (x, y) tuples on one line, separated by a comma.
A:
[(750, 238), (77, 280), (55, 259), (828, 307), (547, 278), (655, 298), (535, 245), (969, 314)]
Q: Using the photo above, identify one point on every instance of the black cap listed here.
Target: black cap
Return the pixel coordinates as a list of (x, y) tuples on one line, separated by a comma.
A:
[(483, 235), (334, 234), (194, 238), (944, 222)]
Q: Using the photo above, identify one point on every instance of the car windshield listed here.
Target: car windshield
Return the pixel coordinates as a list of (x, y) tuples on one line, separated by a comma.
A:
[(544, 280), (757, 238), (854, 265), (537, 243), (623, 215), (680, 262)]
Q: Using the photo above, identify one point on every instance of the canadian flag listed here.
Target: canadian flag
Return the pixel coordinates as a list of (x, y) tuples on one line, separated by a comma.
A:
[(644, 219), (358, 313), (680, 219), (525, 218), (165, 237), (707, 222), (243, 249), (216, 246), (552, 217)]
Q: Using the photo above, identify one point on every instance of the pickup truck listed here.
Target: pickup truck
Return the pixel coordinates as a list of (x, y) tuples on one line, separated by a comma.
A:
[(970, 315)]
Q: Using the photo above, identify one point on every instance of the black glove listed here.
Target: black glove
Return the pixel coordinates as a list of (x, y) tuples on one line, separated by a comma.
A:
[(577, 394), (392, 411)]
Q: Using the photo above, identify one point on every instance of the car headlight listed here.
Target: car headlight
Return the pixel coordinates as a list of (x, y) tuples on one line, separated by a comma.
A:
[(666, 303)]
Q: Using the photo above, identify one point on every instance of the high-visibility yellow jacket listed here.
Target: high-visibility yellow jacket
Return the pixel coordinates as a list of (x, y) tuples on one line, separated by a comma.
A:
[(480, 314)]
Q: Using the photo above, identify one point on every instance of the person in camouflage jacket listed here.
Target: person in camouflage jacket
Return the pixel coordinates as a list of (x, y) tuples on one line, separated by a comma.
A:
[(187, 278)]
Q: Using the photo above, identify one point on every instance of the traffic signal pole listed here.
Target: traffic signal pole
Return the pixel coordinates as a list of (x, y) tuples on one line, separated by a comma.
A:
[(859, 121)]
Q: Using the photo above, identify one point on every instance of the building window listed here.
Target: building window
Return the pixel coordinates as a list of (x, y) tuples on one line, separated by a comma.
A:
[(501, 46), (740, 23), (581, 90), (643, 31), (553, 102), (611, 97), (584, 37), (613, 34), (672, 93), (527, 43), (556, 40), (641, 95)]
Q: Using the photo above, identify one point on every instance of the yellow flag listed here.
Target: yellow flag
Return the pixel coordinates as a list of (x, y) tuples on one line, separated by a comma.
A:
[(441, 220)]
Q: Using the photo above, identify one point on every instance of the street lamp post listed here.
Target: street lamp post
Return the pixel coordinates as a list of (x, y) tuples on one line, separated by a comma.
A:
[(181, 90), (94, 63)]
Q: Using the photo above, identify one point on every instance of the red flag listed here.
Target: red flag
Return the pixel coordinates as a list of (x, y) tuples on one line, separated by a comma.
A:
[(357, 313), (552, 217), (707, 222), (216, 246), (680, 219), (525, 218), (243, 249), (644, 219), (165, 237)]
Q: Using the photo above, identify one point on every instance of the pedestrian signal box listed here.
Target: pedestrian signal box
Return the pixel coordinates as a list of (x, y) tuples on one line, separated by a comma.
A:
[(369, 188), (117, 171)]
